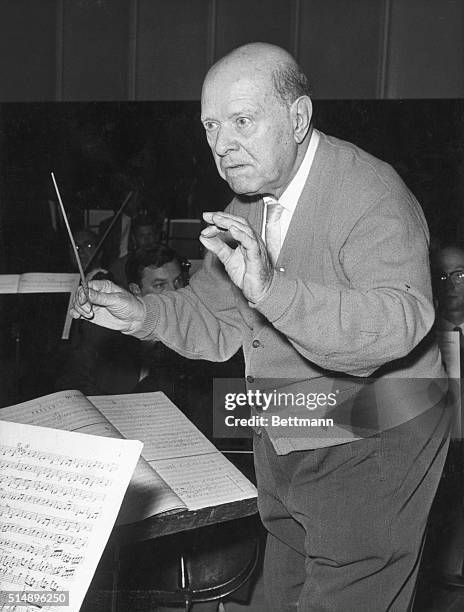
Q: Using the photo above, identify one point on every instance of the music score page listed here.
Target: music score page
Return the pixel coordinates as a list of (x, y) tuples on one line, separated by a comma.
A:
[(191, 465), (60, 493), (147, 493)]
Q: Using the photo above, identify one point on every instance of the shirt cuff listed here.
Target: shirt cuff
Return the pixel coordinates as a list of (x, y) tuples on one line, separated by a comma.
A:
[(277, 299)]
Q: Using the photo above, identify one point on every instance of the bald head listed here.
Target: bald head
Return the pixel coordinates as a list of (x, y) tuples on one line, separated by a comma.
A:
[(270, 64), (257, 116)]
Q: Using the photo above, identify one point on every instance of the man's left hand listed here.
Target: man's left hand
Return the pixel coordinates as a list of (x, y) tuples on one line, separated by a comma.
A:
[(248, 265)]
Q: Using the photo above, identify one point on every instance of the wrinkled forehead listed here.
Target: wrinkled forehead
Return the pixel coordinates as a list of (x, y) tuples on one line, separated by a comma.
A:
[(230, 83)]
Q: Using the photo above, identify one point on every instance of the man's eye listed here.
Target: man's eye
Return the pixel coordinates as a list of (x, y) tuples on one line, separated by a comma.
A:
[(243, 122), (209, 125)]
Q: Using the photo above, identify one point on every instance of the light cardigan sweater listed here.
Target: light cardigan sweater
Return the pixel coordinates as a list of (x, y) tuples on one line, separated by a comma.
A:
[(350, 296)]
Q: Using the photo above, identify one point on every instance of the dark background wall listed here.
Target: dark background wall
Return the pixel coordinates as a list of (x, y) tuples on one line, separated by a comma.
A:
[(74, 50)]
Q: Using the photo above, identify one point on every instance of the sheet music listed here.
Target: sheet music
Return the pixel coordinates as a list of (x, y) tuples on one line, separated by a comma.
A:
[(205, 480), (9, 283), (59, 497), (68, 319), (147, 493), (43, 282), (48, 282), (191, 465), (165, 429)]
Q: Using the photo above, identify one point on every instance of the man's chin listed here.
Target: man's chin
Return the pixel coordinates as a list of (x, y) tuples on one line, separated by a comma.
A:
[(242, 188)]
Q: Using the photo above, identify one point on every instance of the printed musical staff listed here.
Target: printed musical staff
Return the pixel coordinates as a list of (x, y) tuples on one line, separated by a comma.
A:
[(25, 484), (24, 450), (42, 534), (57, 507), (85, 479)]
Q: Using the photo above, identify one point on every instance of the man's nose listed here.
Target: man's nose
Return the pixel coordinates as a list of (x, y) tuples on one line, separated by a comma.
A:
[(450, 283), (225, 141)]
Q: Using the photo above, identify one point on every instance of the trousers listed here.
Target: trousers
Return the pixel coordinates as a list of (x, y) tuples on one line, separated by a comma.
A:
[(345, 524)]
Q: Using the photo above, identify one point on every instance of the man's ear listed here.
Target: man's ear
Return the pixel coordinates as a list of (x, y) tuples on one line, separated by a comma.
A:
[(134, 289), (301, 113)]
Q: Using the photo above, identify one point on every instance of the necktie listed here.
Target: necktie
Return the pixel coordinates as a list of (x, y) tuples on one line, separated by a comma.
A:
[(272, 230)]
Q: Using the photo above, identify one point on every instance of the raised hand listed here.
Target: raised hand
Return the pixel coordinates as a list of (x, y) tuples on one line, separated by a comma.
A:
[(247, 265)]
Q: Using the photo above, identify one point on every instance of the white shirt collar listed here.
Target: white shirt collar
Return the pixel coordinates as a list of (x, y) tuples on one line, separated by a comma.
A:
[(291, 195)]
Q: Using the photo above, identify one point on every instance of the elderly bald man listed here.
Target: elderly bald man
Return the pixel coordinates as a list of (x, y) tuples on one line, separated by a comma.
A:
[(319, 270)]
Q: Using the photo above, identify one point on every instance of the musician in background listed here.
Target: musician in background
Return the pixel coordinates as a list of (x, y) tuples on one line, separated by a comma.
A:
[(144, 234), (448, 276), (86, 244), (445, 550), (117, 242), (154, 270)]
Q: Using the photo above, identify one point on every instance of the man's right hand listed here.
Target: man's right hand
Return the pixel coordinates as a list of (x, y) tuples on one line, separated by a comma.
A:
[(109, 306)]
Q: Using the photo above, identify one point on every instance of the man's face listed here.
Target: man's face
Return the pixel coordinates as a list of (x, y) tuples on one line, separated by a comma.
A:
[(144, 236), (86, 243), (450, 292), (249, 131), (166, 278)]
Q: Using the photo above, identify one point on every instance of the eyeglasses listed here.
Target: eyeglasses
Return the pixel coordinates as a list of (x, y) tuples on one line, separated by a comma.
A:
[(85, 246), (456, 277)]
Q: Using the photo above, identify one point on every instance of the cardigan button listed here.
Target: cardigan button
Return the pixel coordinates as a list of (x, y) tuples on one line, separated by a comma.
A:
[(256, 344), (250, 379)]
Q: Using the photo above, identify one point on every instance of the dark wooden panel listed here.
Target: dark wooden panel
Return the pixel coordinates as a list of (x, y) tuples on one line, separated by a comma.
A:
[(95, 50), (172, 47), (27, 50), (426, 50), (241, 21), (340, 47)]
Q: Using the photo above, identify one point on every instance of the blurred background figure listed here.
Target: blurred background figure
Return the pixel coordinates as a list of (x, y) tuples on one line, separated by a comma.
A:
[(117, 242), (86, 243), (445, 548), (448, 277), (144, 234)]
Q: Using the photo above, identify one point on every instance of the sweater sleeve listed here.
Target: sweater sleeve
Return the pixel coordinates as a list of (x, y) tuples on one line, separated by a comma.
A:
[(383, 307), (199, 321)]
